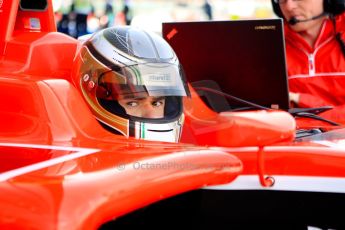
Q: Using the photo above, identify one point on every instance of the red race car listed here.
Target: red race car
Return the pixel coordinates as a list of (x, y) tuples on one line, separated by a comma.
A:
[(61, 169)]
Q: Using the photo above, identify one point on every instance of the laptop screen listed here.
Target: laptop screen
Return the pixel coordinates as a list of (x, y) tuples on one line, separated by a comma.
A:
[(244, 58)]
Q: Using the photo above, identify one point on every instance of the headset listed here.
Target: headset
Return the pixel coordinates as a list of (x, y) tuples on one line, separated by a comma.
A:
[(331, 7)]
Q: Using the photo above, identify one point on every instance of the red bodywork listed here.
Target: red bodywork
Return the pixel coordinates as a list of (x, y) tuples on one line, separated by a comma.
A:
[(61, 170)]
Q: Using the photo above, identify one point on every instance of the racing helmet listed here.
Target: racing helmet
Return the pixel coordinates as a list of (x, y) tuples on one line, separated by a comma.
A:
[(333, 7), (127, 62)]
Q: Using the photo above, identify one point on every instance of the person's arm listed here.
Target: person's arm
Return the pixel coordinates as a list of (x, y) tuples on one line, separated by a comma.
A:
[(306, 100), (294, 98)]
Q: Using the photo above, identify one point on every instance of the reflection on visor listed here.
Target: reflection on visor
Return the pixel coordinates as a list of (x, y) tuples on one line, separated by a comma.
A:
[(152, 79)]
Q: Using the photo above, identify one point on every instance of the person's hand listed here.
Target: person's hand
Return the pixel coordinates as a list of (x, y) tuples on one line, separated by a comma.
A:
[(294, 97)]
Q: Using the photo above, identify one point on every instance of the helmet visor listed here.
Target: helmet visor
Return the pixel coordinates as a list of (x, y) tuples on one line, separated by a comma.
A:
[(149, 79)]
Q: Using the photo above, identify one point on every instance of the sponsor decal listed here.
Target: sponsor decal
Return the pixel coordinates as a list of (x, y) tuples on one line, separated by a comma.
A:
[(172, 33), (159, 77)]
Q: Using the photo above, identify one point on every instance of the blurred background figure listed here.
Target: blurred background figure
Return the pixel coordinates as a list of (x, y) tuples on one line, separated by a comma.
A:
[(149, 14), (81, 9), (125, 16), (63, 15), (207, 9), (108, 18), (103, 16), (127, 11)]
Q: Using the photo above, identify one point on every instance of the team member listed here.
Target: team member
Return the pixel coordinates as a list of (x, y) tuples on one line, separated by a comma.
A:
[(314, 35)]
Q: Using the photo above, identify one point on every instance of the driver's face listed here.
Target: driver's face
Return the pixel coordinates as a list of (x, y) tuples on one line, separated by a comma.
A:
[(146, 107)]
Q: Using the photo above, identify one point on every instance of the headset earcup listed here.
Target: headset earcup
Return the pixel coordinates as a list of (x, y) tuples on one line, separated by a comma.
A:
[(334, 6), (276, 9)]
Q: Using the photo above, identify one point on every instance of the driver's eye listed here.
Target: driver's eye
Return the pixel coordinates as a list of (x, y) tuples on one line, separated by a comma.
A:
[(157, 103), (132, 103)]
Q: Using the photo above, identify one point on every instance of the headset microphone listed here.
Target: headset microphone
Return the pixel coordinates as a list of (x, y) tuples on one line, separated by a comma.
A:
[(293, 21)]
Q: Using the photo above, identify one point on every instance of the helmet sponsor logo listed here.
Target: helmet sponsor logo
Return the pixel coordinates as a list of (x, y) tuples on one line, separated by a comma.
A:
[(90, 85), (86, 77), (159, 77)]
